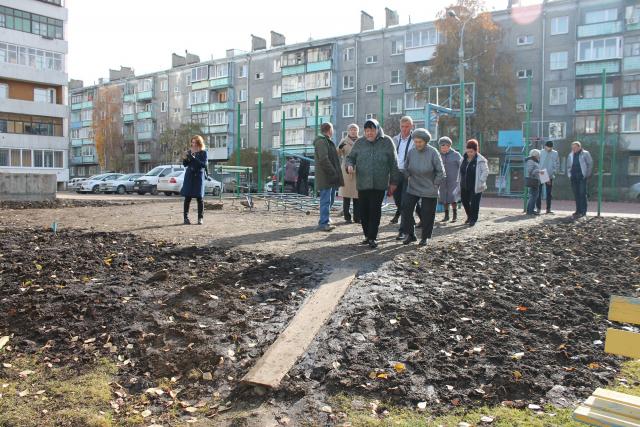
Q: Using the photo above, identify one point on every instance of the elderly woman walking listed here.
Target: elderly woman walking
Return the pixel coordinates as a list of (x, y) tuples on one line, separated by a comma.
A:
[(474, 171), (450, 187), (533, 180), (349, 191), (425, 172), (195, 161)]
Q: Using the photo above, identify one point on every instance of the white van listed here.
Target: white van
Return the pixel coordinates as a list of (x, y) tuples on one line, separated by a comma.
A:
[(148, 183)]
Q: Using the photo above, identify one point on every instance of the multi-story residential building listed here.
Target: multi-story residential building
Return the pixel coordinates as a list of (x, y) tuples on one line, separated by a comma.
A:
[(559, 46), (33, 87)]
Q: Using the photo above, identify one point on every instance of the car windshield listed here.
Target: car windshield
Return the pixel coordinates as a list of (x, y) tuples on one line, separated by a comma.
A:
[(179, 173), (155, 171), (128, 177)]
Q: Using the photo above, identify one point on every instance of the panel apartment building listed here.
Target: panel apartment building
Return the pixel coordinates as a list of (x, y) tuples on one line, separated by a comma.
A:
[(563, 45), (33, 88)]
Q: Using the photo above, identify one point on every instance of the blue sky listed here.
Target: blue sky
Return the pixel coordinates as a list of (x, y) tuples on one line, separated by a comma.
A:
[(143, 33)]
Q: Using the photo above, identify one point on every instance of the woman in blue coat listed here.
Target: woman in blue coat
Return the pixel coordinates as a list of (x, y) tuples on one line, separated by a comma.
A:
[(195, 161)]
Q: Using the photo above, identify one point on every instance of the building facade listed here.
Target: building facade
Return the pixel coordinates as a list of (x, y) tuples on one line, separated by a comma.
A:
[(33, 88), (559, 49)]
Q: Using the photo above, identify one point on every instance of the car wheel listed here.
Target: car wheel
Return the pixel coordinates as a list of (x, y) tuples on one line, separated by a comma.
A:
[(142, 193), (168, 193), (154, 190), (95, 189), (120, 189), (216, 191)]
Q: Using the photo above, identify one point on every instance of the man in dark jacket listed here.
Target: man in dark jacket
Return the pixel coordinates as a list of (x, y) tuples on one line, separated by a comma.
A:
[(375, 163), (328, 174)]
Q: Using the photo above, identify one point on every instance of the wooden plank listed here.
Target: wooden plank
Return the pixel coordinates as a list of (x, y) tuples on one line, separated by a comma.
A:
[(622, 343), (617, 396), (599, 418), (624, 309), (614, 408), (293, 342)]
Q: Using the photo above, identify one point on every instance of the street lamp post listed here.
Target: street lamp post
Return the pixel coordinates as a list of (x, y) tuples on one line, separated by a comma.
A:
[(453, 14)]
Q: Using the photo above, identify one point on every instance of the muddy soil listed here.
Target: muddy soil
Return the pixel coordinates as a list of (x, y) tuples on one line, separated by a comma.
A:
[(516, 317), (65, 203), (194, 318)]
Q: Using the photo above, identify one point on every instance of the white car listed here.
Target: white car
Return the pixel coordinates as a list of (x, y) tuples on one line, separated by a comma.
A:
[(122, 185), (74, 183), (92, 185), (634, 191), (148, 183), (172, 184)]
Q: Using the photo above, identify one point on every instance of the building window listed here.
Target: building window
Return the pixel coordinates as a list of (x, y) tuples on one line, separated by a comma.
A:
[(293, 111), (348, 109), (218, 71), (294, 136), (317, 80), (243, 119), (348, 53), (348, 82), (293, 58), (631, 121), (47, 96), (4, 91), (293, 83), (594, 50), (371, 88), (397, 47), (258, 100), (242, 95), (199, 73), (176, 89), (14, 19), (524, 40), (557, 130), (257, 124), (372, 59), (199, 97), (523, 74), (163, 106), (396, 77), (603, 15), (558, 96), (31, 57), (243, 143), (242, 71), (200, 118), (259, 76), (319, 54), (591, 124), (275, 141), (276, 65), (276, 116), (176, 110), (218, 141), (396, 106), (630, 85), (594, 90), (31, 125), (369, 116), (559, 25), (164, 85), (421, 38), (276, 91), (558, 60), (632, 49), (634, 165), (217, 118)]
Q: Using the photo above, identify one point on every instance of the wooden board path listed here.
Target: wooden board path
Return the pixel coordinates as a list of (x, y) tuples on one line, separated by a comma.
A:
[(280, 357)]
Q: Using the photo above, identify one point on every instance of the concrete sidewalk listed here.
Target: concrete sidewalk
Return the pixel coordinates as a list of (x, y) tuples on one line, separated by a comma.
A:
[(565, 207)]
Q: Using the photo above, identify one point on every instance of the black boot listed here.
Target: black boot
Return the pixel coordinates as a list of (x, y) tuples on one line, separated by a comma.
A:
[(395, 218), (446, 215), (455, 215), (186, 220)]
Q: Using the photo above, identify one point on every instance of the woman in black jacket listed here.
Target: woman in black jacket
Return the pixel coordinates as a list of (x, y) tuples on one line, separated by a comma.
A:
[(195, 161)]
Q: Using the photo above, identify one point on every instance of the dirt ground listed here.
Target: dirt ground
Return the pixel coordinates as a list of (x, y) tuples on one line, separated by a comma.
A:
[(508, 311)]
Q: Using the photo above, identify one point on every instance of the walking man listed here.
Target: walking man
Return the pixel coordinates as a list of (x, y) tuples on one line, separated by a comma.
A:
[(579, 169), (403, 143), (550, 161), (374, 161), (328, 174)]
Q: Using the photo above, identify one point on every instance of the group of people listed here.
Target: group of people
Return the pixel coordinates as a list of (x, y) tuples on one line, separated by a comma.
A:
[(406, 167)]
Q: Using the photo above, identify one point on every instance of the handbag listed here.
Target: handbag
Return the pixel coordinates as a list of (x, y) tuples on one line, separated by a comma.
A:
[(531, 182)]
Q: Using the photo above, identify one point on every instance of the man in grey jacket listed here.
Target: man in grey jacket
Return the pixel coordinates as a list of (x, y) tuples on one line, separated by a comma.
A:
[(579, 169), (550, 161)]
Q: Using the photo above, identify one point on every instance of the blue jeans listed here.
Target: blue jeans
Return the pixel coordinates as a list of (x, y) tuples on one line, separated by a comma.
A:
[(325, 205), (579, 187), (533, 198)]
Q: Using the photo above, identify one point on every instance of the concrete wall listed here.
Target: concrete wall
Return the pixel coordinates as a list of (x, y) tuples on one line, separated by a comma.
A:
[(27, 187)]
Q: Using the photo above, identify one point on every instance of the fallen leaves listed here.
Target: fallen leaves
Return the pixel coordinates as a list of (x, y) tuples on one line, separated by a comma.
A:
[(521, 308), (399, 367), (3, 341)]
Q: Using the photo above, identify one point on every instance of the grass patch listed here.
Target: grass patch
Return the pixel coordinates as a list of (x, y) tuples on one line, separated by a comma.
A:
[(55, 396)]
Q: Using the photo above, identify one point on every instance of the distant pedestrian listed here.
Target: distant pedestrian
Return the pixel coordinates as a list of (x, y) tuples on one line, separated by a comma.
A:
[(579, 169), (403, 143), (374, 160), (450, 187), (349, 191), (290, 175), (328, 174), (303, 177), (425, 172), (474, 171), (195, 160), (549, 161), (532, 179)]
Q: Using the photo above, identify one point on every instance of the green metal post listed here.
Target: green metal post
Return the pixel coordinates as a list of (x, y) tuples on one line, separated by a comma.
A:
[(260, 184), (602, 129), (238, 148), (381, 107), (282, 147), (525, 193)]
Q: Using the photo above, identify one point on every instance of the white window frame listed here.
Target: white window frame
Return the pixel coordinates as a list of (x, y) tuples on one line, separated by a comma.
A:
[(348, 109), (523, 74), (624, 122), (397, 47), (275, 141), (348, 78), (200, 73), (218, 118), (398, 106), (398, 80), (258, 100), (524, 40), (559, 25), (277, 65), (609, 14), (347, 54), (370, 116), (243, 70), (163, 106), (276, 91), (560, 94), (561, 125), (592, 57), (555, 64), (199, 97), (371, 88), (372, 59), (633, 166), (421, 38), (164, 85), (242, 95), (257, 124), (243, 119), (4, 91), (44, 95), (259, 75), (276, 116)]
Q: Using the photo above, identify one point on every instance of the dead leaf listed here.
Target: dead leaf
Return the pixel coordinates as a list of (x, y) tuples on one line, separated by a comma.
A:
[(90, 340), (38, 266), (593, 365), (399, 367), (522, 308), (26, 373), (191, 409), (517, 375), (146, 413), (3, 341), (108, 261), (383, 375), (23, 393), (155, 390), (207, 376)]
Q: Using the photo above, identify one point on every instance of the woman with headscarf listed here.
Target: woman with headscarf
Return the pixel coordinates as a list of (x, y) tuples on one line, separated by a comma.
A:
[(349, 191), (474, 171), (450, 188)]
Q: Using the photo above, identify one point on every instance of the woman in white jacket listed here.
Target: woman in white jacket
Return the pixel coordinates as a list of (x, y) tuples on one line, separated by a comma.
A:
[(474, 171)]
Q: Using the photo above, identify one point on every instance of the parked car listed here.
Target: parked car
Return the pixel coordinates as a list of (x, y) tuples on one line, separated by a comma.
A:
[(74, 183), (634, 191), (148, 183), (92, 185), (172, 184), (122, 185)]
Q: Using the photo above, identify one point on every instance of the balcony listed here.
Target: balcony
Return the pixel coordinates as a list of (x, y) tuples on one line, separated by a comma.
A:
[(218, 129), (215, 106), (630, 101), (81, 141), (140, 96), (294, 69), (633, 26), (590, 68), (600, 29), (294, 123), (84, 160), (144, 157), (141, 116), (320, 93), (82, 105), (587, 104), (143, 136), (292, 97), (213, 83), (311, 121), (631, 63), (318, 66)]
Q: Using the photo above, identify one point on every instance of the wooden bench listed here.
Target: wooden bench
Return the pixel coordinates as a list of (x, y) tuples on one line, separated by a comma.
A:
[(611, 408)]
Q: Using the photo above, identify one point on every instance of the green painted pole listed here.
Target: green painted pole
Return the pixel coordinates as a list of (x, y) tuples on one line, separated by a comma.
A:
[(238, 148), (602, 129), (381, 107), (525, 192), (260, 184), (282, 147)]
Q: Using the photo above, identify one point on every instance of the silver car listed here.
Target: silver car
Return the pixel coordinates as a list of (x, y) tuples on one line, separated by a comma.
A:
[(122, 185)]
